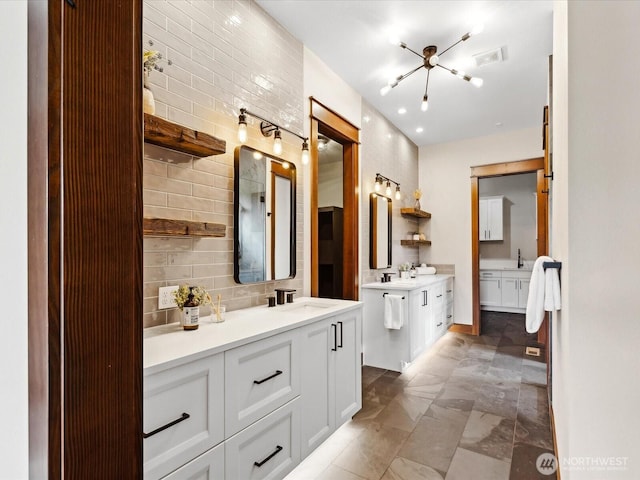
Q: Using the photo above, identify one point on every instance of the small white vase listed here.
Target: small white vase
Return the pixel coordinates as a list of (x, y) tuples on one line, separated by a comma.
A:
[(148, 102)]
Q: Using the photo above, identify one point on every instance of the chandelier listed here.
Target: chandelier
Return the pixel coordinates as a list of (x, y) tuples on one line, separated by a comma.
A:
[(430, 59)]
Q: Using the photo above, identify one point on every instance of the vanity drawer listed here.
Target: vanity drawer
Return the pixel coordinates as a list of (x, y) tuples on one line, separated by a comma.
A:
[(260, 377), (448, 290), (209, 465), (268, 449), (437, 295), (183, 414)]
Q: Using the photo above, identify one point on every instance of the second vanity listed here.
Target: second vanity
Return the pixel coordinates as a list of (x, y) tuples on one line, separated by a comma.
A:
[(252, 396), (428, 313)]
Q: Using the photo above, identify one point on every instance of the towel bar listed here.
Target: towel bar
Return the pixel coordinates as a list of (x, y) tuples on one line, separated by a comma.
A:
[(557, 265), (387, 293)]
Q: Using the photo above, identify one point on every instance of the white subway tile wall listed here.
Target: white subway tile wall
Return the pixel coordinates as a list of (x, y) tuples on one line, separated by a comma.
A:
[(387, 151), (225, 54)]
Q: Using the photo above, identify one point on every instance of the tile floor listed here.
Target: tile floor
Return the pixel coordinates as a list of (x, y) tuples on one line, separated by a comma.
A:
[(471, 408)]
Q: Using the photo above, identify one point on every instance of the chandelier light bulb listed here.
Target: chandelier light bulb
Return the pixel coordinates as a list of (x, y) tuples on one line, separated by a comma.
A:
[(424, 106), (388, 189), (477, 29), (476, 82), (398, 196), (433, 60), (277, 142)]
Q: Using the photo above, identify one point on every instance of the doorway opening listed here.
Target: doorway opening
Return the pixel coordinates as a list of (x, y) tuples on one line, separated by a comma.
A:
[(334, 205), (534, 166)]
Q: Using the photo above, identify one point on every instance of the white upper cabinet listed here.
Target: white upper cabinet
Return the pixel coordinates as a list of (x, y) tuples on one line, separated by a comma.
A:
[(490, 212)]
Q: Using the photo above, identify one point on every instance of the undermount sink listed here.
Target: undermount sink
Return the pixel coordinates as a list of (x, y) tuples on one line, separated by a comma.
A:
[(308, 305)]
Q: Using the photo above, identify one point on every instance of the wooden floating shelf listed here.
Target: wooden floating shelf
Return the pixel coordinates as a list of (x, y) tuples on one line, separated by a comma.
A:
[(414, 243), (166, 227), (164, 133), (413, 212)]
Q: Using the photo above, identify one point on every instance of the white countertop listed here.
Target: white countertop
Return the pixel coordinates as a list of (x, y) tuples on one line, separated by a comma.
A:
[(170, 345), (408, 284)]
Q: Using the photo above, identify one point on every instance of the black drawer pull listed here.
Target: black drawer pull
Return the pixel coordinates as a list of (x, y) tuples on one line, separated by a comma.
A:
[(258, 382), (182, 418), (449, 316), (439, 324), (438, 296), (449, 291), (335, 337), (277, 450)]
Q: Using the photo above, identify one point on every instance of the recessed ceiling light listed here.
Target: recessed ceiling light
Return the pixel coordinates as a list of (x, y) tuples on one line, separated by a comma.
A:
[(498, 124), (366, 118), (402, 111), (419, 130)]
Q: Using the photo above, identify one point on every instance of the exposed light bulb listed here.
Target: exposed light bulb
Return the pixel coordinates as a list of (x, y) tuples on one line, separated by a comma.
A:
[(477, 29), (388, 189), (398, 195), (424, 106), (242, 128), (384, 90), (277, 142), (377, 186), (305, 153), (476, 82), (395, 40), (433, 60)]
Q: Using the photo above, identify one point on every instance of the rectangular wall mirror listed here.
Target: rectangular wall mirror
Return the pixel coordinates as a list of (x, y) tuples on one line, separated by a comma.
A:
[(264, 217), (380, 231)]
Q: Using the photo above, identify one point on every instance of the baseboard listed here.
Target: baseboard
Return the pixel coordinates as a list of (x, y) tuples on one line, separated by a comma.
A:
[(459, 328), (552, 421)]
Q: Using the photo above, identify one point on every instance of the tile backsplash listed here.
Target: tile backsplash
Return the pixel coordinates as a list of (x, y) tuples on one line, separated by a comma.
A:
[(224, 55)]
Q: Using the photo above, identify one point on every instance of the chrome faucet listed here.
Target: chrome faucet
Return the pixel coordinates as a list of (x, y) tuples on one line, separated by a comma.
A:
[(520, 262)]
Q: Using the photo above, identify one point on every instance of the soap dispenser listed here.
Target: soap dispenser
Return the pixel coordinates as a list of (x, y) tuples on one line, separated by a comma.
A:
[(412, 272)]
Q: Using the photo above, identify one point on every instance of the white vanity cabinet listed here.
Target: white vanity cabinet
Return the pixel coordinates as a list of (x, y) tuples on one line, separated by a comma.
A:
[(234, 400), (490, 218), (504, 290), (331, 376), (427, 314), (183, 414)]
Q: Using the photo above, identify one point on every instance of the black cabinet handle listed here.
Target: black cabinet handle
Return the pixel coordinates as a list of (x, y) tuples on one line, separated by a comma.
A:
[(340, 323), (258, 382), (449, 291), (276, 451), (335, 337), (438, 296), (449, 316), (439, 324), (182, 418)]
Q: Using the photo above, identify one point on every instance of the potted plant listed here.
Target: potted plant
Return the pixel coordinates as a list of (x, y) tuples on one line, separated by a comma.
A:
[(189, 299), (404, 268), (150, 62)]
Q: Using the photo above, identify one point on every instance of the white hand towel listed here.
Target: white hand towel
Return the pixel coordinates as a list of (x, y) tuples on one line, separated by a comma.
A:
[(393, 312), (552, 299), (535, 302)]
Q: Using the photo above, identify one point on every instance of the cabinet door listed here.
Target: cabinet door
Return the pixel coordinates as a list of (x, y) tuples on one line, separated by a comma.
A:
[(490, 294), (510, 291), (483, 212), (318, 383), (348, 369), (494, 218), (523, 293), (208, 466), (417, 322)]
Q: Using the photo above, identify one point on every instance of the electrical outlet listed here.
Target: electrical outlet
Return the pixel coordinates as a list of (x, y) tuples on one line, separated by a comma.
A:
[(165, 297)]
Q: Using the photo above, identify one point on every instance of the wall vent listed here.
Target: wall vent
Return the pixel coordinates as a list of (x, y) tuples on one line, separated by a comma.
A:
[(487, 58), (533, 351)]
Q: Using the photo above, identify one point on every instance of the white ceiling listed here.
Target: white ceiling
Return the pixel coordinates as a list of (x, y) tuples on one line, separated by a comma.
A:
[(351, 37)]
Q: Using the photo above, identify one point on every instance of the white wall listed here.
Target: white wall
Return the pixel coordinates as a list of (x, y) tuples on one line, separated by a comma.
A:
[(13, 241), (444, 178), (519, 216), (328, 88), (597, 235)]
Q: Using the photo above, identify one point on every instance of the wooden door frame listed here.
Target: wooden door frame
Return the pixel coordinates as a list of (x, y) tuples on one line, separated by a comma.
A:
[(326, 121), (533, 165), (85, 240)]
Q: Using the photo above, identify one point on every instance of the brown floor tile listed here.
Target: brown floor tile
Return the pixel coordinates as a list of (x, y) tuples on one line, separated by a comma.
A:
[(489, 435), (404, 412), (523, 463), (533, 433), (403, 469), (334, 472), (467, 465)]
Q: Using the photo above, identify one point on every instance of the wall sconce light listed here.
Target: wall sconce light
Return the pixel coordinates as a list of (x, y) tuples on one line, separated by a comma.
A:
[(378, 185), (267, 128)]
